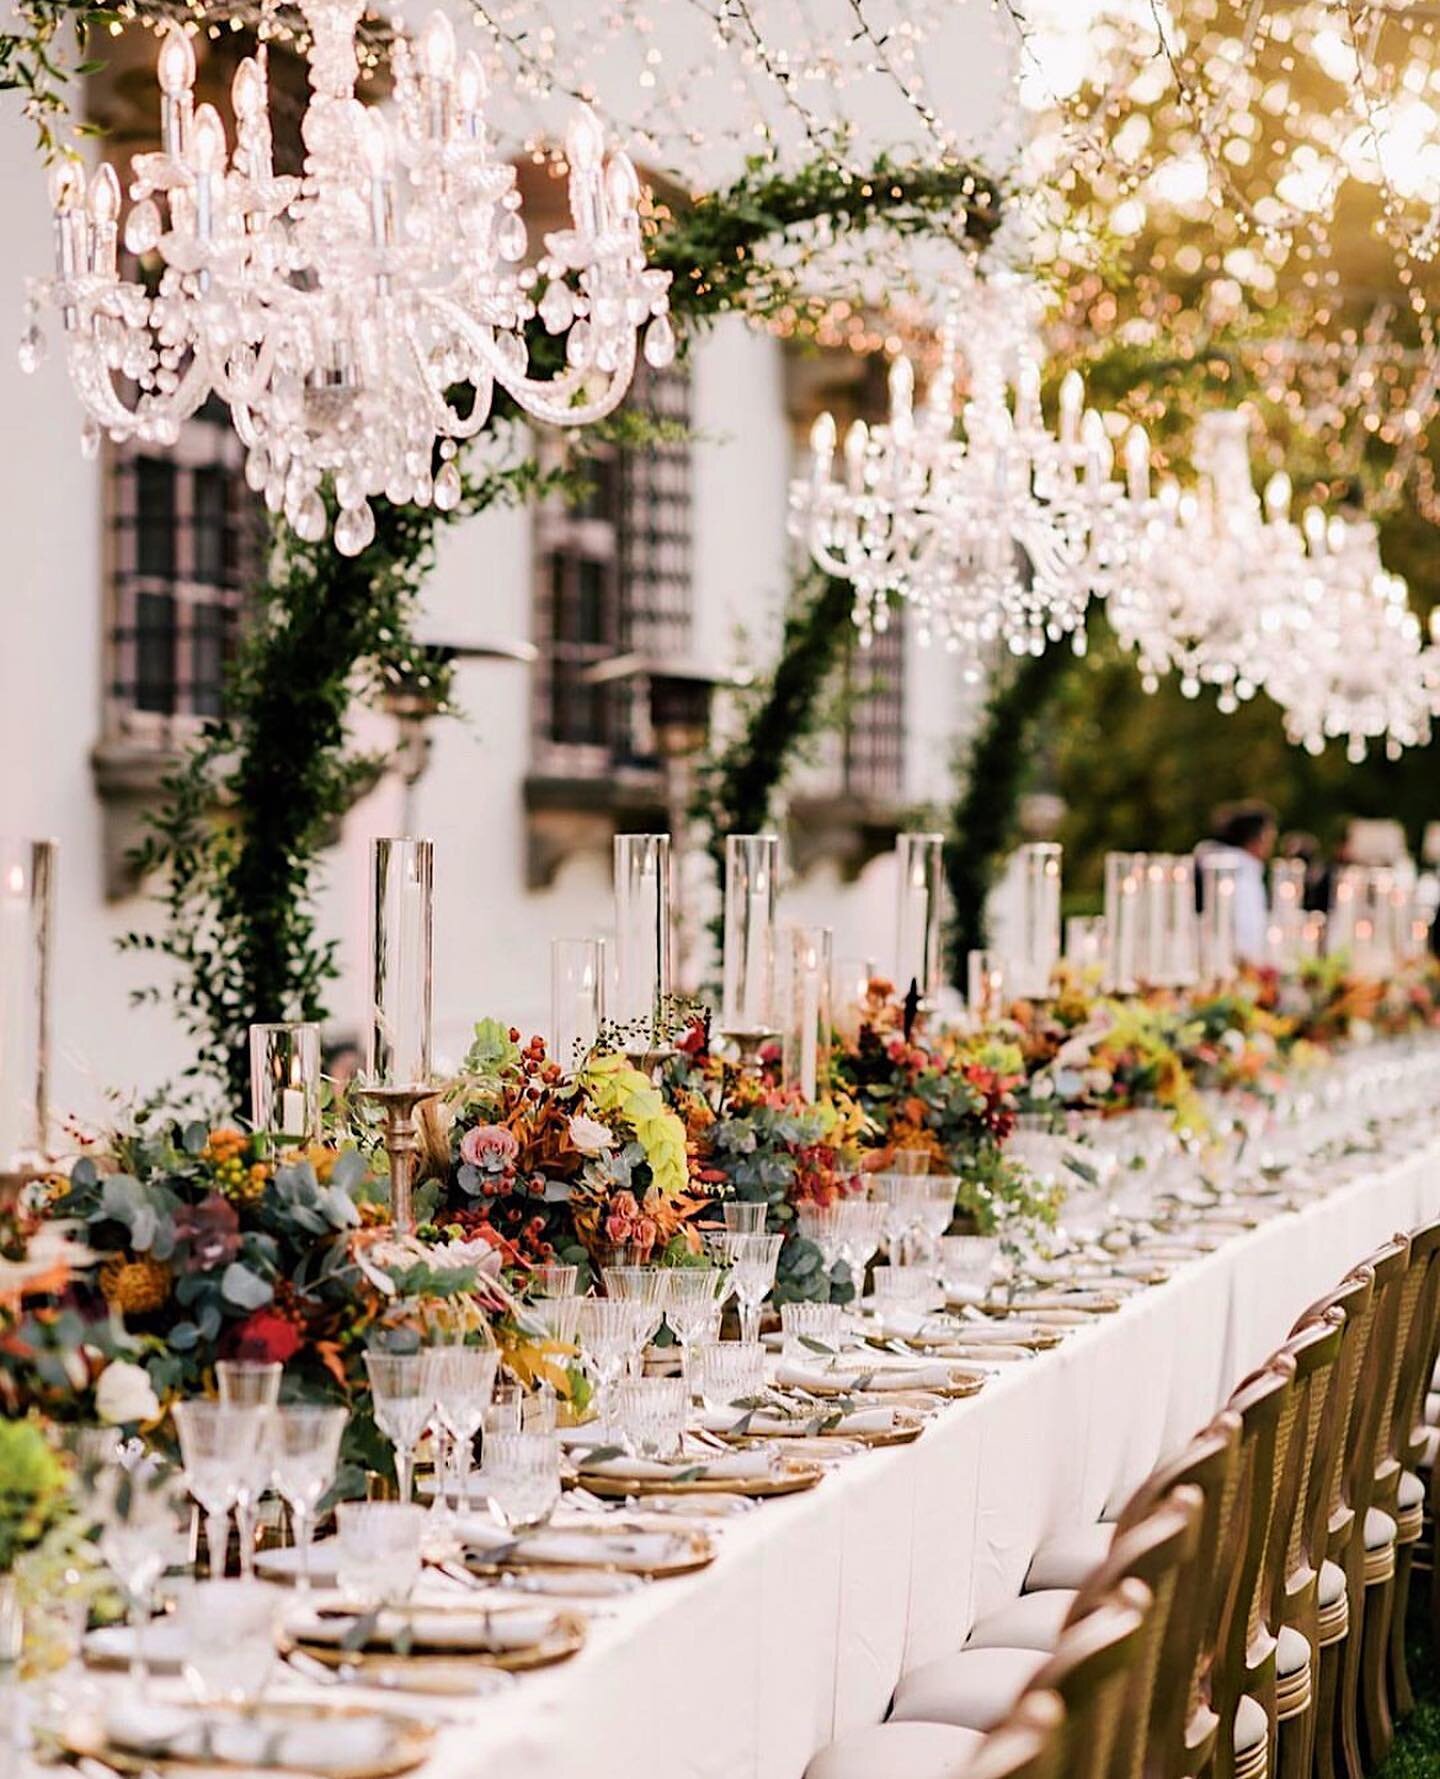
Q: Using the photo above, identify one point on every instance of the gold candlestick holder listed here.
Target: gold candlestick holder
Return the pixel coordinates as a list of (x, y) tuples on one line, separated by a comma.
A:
[(748, 1046), (402, 1145)]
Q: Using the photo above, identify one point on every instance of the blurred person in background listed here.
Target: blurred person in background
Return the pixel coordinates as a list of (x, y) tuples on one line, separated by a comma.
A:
[(1243, 834)]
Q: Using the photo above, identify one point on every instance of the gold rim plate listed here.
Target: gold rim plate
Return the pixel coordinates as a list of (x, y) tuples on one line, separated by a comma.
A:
[(699, 1554), (564, 1638), (797, 1475)]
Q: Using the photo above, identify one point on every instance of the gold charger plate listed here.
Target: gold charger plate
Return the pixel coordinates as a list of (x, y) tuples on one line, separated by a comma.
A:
[(86, 1740), (565, 1637), (699, 1554), (908, 1428), (796, 1475), (963, 1383)]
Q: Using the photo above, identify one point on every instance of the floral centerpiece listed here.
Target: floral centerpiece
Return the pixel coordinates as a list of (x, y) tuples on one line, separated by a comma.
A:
[(551, 1167), (951, 1096), (760, 1142)]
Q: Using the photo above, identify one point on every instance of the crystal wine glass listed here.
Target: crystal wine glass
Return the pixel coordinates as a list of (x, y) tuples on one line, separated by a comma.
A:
[(138, 1504), (607, 1334), (744, 1216), (252, 1384), (756, 1257), (463, 1380), (402, 1389), (222, 1450), (862, 1222), (691, 1296), (249, 1383), (902, 1195), (306, 1455), (643, 1287)]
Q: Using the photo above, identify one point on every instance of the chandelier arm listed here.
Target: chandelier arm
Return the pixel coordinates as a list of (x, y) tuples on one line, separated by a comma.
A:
[(95, 380)]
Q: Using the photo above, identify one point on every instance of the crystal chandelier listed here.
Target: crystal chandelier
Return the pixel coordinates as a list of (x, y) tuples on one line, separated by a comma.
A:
[(991, 527), (1359, 669), (1216, 576), (338, 313)]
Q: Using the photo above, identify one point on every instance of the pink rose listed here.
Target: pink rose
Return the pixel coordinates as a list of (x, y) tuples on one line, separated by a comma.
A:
[(491, 1147)]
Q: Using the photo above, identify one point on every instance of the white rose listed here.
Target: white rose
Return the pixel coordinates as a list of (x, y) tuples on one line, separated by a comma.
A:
[(590, 1136), (125, 1394)]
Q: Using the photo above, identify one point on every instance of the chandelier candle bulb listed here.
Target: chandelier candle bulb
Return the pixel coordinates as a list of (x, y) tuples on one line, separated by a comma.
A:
[(918, 865), (1072, 405), (1137, 465)]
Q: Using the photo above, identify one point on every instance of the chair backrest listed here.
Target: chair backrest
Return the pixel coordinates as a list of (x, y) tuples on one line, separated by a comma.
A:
[(1354, 1297), (1262, 1402), (1209, 1463), (1091, 1669), (1297, 1547), (1417, 1364), (1028, 1745), (1375, 1404)]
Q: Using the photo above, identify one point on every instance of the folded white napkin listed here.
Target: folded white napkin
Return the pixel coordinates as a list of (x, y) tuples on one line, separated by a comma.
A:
[(482, 1628), (763, 1425), (260, 1739), (728, 1466), (612, 1550), (884, 1376), (916, 1325)]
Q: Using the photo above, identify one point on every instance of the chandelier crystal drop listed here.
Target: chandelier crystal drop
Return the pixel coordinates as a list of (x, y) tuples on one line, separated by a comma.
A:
[(992, 528), (337, 313), (1218, 575), (1360, 670)]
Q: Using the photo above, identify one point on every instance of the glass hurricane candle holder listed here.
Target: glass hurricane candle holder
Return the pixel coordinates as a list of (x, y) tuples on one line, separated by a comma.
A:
[(1085, 948), (747, 1009), (285, 1080), (1123, 877), (918, 859), (642, 940), (1039, 869), (805, 1055), (1182, 922), (1218, 956), (27, 894), (397, 1052), (577, 999)]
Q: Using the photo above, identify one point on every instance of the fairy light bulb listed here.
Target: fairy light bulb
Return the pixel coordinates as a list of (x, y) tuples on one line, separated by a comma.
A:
[(1277, 497)]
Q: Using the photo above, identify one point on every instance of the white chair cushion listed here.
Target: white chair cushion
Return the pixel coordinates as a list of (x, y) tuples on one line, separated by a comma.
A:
[(1292, 1651), (1332, 1584), (1031, 1622), (1412, 1492), (897, 1751), (1252, 1727), (1379, 1529), (1067, 1560), (1431, 1439), (1432, 1408), (973, 1689)]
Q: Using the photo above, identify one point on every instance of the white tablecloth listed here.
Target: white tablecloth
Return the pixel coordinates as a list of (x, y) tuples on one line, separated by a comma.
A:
[(816, 1604)]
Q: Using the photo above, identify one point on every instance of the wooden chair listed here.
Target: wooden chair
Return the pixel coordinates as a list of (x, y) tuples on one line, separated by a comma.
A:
[(1028, 1745), (1412, 1447), (1089, 1674), (976, 1688), (1242, 1675), (1368, 1551), (1334, 1515), (1295, 1552)]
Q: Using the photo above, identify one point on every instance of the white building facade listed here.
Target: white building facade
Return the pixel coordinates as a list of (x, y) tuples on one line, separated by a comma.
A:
[(125, 584)]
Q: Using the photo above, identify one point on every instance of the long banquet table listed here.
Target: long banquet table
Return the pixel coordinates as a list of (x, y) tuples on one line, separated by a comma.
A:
[(816, 1604)]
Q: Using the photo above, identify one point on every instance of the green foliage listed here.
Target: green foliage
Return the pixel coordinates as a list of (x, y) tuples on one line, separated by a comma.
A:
[(255, 800), (721, 252), (738, 785), (983, 826), (33, 1490)]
